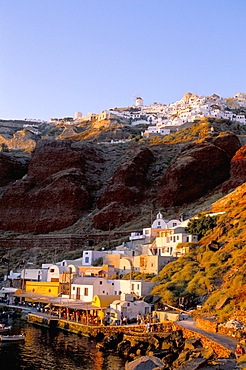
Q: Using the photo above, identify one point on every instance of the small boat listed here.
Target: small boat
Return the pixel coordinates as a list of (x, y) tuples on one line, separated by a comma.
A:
[(12, 338), (4, 329)]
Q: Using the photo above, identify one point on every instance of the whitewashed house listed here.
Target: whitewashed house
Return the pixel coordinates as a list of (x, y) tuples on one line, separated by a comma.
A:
[(34, 274), (166, 242), (129, 308), (85, 288), (63, 274)]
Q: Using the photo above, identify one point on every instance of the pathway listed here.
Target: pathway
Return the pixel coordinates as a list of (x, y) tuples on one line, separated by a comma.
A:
[(224, 340)]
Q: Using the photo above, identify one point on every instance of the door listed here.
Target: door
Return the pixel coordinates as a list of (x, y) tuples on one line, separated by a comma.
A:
[(77, 293)]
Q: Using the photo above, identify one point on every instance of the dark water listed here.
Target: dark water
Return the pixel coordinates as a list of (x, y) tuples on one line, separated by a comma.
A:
[(45, 350)]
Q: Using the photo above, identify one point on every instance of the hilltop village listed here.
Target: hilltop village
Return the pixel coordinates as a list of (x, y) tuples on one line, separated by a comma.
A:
[(163, 119)]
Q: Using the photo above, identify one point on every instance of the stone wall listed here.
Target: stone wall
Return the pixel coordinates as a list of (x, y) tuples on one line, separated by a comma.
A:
[(240, 316), (93, 331), (59, 241), (219, 349), (207, 324)]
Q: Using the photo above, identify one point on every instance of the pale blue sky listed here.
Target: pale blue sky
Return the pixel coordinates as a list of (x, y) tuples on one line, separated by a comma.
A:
[(62, 56)]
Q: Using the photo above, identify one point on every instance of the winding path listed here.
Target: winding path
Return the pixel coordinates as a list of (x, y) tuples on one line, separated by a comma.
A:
[(223, 340)]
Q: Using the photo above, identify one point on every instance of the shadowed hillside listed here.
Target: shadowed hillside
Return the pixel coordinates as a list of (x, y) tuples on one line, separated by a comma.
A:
[(77, 185)]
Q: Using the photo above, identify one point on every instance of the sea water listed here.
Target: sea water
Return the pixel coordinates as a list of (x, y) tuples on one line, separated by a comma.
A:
[(45, 349)]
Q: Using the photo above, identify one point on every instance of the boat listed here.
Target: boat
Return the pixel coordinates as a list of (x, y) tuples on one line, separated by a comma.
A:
[(12, 338), (4, 329)]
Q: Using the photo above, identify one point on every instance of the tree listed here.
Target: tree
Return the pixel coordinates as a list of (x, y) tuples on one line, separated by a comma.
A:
[(199, 226), (4, 147)]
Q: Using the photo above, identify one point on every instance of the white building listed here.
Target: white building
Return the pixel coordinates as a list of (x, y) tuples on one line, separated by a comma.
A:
[(34, 274), (166, 243), (129, 308), (85, 288)]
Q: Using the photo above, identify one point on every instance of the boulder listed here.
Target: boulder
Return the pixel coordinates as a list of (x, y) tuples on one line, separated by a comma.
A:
[(193, 364), (192, 343), (145, 363)]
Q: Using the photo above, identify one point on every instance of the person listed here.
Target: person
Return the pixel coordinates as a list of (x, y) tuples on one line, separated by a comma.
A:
[(77, 316), (148, 327), (139, 318), (239, 351)]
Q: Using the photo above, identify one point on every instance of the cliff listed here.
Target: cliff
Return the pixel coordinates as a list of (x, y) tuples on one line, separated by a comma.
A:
[(75, 182)]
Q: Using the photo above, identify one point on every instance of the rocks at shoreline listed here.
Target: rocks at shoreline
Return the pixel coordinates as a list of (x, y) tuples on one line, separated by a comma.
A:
[(172, 349)]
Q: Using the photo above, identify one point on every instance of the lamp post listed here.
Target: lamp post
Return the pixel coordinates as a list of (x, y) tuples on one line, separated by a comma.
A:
[(70, 278)]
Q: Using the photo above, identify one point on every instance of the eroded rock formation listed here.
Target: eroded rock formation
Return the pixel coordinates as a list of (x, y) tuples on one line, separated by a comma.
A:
[(198, 169)]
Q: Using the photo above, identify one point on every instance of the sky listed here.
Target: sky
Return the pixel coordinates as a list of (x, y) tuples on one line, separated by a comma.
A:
[(62, 56)]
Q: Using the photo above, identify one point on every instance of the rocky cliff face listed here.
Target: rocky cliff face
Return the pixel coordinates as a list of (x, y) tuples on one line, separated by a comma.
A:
[(54, 194), (197, 170), (12, 168), (127, 188), (67, 180), (238, 170)]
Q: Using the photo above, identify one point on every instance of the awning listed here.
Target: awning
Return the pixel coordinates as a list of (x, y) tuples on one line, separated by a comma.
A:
[(34, 297), (56, 301)]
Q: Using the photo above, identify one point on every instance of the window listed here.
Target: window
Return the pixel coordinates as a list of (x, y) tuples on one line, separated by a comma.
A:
[(100, 282), (73, 287), (152, 264), (124, 267), (86, 252), (52, 270), (138, 287), (177, 237), (86, 292), (86, 259), (112, 283), (132, 286)]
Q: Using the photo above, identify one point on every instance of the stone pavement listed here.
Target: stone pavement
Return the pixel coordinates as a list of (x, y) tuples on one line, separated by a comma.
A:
[(224, 340)]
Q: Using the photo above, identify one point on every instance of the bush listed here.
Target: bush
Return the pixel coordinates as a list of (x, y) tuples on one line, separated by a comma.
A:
[(200, 226)]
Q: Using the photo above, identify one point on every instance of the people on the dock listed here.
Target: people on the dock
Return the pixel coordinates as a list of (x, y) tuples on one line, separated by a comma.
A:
[(77, 314), (148, 327), (138, 318), (106, 319), (239, 351)]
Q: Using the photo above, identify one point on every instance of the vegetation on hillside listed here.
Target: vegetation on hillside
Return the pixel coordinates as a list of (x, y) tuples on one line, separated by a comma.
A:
[(201, 225), (209, 276)]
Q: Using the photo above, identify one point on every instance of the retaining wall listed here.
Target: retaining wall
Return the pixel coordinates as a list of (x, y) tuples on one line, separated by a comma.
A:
[(221, 351)]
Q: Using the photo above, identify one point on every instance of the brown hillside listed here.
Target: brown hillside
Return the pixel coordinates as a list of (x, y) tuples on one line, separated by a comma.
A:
[(105, 186)]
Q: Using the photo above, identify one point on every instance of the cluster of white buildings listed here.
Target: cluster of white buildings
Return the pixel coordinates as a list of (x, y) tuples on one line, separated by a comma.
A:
[(163, 119), (98, 275), (145, 252)]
